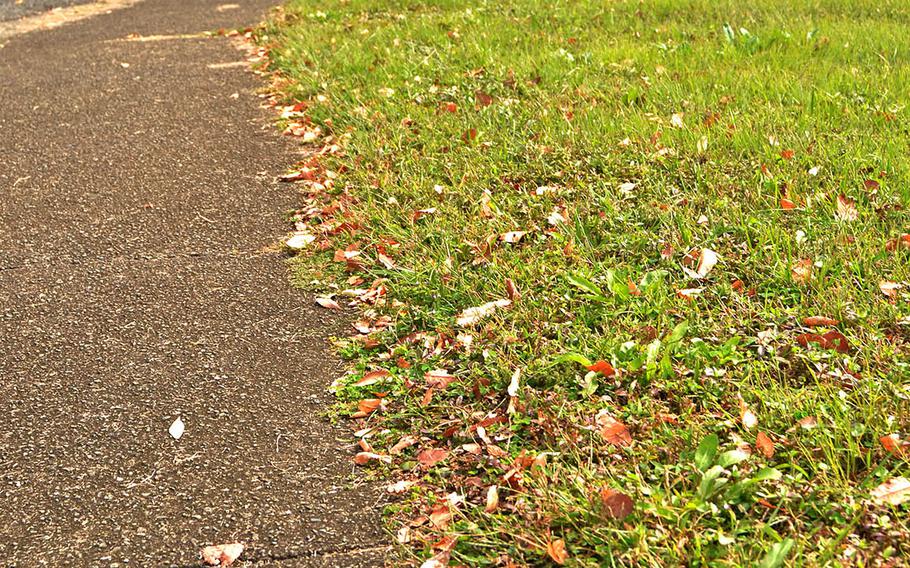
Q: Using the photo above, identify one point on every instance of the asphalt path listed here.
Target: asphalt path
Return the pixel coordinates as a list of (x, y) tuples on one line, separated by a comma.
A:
[(137, 208), (12, 9)]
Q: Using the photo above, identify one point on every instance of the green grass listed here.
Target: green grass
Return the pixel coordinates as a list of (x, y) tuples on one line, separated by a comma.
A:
[(469, 108)]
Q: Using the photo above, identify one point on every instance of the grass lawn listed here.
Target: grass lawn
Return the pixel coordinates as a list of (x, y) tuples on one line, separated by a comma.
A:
[(632, 276)]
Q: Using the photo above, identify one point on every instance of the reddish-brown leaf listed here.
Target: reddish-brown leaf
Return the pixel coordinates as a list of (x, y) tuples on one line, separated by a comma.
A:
[(439, 378), (786, 154), (405, 442), (372, 377), (368, 405), (441, 515), (363, 458), (901, 242), (512, 291), (432, 456), (483, 99), (616, 505), (613, 431), (786, 204), (836, 340), (816, 321)]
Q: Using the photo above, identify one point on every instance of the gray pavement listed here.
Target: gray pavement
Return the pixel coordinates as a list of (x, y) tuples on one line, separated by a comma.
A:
[(12, 9), (136, 201)]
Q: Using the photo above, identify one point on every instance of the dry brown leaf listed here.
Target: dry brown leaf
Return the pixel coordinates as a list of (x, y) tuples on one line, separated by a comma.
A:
[(441, 515), (328, 303), (746, 416), (801, 272), (405, 442), (492, 499), (889, 288), (372, 377), (368, 405), (512, 237), (222, 554), (512, 291), (556, 549), (421, 213), (613, 431), (363, 458), (894, 491), (386, 261), (901, 242), (432, 456), (808, 423), (765, 445), (471, 316), (439, 378), (616, 505), (846, 209)]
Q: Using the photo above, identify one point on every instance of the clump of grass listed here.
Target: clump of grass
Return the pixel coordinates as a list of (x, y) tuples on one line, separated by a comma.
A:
[(578, 159)]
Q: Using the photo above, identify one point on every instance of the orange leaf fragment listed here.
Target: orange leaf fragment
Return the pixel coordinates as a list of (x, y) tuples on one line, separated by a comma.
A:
[(441, 515), (556, 549), (512, 291), (363, 458), (603, 368), (765, 445), (816, 321), (439, 378), (613, 431), (894, 445), (901, 242), (786, 204), (368, 405), (405, 442)]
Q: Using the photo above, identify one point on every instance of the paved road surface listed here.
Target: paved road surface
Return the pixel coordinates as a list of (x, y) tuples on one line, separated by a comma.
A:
[(135, 202), (12, 9)]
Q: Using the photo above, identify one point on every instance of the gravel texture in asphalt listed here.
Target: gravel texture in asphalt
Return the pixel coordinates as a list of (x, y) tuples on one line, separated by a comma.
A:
[(12, 9), (137, 199)]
